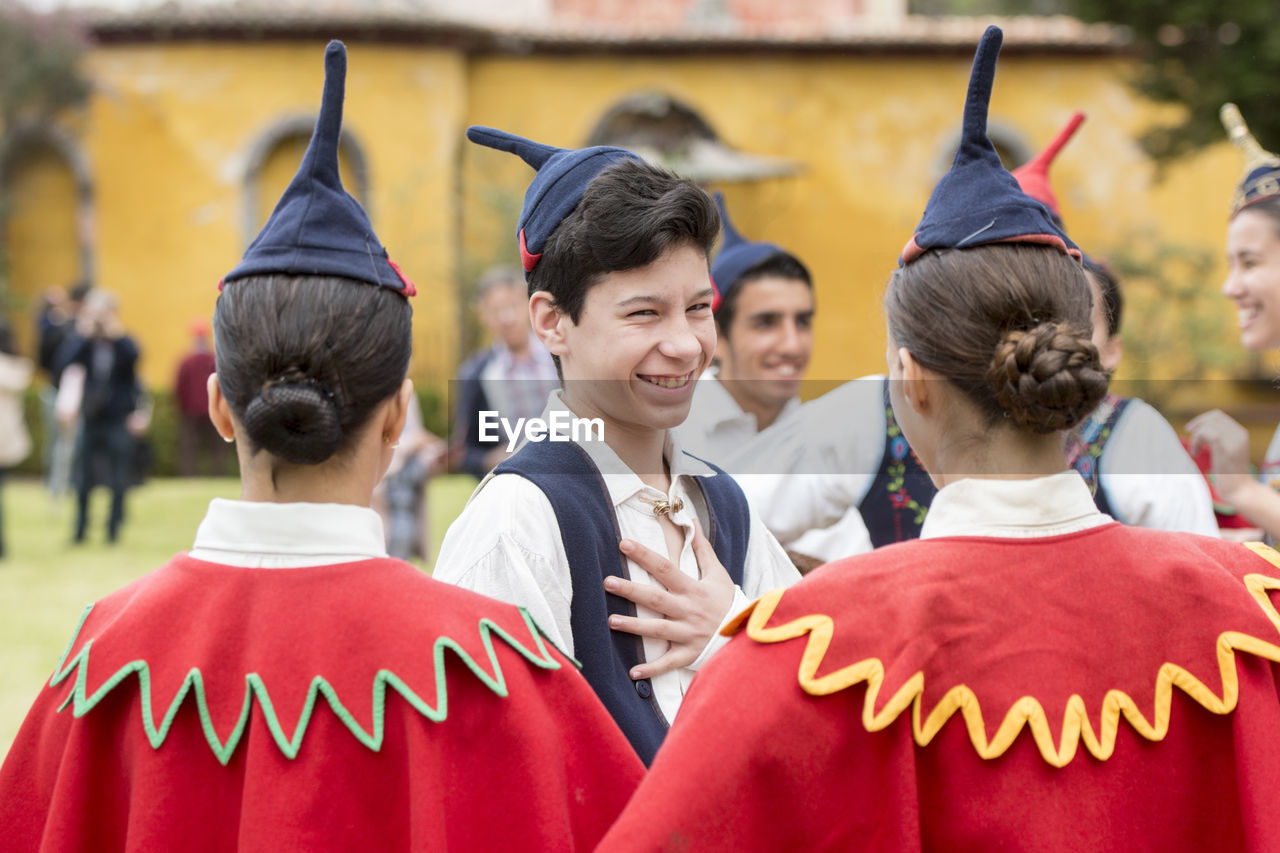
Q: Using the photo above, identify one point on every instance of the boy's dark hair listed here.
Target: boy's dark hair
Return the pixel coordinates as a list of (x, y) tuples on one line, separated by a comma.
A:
[(304, 361), (629, 215), (781, 265), (1112, 300)]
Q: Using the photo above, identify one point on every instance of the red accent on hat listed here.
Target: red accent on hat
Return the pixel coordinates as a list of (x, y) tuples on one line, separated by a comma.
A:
[(912, 250), (1046, 240), (1033, 175), (715, 295), (409, 288), (527, 259), (220, 281)]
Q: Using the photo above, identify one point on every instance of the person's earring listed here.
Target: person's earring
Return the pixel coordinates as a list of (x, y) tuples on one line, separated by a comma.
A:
[(386, 439), (229, 439)]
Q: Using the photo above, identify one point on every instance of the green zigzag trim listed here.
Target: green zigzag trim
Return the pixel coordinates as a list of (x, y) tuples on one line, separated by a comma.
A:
[(497, 682)]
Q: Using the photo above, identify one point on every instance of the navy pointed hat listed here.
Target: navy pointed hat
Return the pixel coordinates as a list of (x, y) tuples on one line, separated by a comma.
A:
[(317, 228), (1261, 179), (978, 201), (563, 175), (737, 255)]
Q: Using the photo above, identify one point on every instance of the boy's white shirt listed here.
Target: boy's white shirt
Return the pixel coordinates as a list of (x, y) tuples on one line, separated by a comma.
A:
[(764, 462), (507, 544)]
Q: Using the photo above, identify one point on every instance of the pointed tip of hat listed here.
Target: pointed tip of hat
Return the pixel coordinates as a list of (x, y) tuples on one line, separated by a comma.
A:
[(731, 235), (1255, 156), (1033, 175), (322, 152), (978, 98), (1045, 158), (536, 154)]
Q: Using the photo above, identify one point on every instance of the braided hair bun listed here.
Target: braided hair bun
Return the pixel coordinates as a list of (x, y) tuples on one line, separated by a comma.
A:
[(1048, 378)]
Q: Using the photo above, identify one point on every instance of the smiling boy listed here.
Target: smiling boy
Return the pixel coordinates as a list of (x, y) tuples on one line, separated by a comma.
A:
[(603, 540), (746, 411)]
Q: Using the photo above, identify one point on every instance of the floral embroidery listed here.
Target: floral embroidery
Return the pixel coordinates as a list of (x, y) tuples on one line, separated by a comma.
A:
[(899, 498), (1084, 450)]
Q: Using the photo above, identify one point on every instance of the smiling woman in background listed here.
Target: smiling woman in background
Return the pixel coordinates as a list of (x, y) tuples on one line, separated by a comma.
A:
[(1253, 284)]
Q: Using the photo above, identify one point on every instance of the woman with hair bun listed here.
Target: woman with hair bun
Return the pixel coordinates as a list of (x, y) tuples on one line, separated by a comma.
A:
[(285, 685), (1029, 673)]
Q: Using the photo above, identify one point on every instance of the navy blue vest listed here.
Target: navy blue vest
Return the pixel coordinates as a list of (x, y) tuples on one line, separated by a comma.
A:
[(1084, 450), (895, 505), (589, 530)]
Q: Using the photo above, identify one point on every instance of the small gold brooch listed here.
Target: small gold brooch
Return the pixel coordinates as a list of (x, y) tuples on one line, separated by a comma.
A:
[(663, 508)]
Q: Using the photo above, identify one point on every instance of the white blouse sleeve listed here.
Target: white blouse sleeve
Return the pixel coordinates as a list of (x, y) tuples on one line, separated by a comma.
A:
[(1150, 480), (506, 544)]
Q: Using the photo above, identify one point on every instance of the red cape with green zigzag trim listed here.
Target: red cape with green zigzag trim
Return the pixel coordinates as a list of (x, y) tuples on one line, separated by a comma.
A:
[(1113, 689), (344, 707)]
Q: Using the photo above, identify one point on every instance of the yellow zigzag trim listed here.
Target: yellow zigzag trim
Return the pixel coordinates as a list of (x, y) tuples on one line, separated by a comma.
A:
[(82, 702), (1076, 726)]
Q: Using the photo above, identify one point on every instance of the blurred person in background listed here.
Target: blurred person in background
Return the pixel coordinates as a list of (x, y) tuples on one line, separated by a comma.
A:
[(401, 496), (196, 433), (15, 441), (513, 377), (55, 322), (107, 359)]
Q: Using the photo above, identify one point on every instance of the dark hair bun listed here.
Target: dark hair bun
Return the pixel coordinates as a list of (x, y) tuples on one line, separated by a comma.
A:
[(1047, 379), (295, 420)]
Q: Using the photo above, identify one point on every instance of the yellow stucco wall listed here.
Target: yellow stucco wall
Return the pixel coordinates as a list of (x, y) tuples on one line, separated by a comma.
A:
[(872, 135), (171, 129), (173, 126)]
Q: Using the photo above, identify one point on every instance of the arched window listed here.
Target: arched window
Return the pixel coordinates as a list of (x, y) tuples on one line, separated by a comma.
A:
[(48, 223), (274, 160), (671, 133), (1010, 145)]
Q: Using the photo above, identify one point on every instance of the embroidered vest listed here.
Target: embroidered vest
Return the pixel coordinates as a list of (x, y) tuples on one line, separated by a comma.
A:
[(898, 500), (1085, 449), (589, 530)]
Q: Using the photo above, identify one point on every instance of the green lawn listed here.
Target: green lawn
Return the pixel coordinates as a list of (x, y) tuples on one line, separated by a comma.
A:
[(45, 581)]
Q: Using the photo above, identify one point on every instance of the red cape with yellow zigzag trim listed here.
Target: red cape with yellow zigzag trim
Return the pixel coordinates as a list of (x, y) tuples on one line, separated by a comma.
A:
[(343, 707), (1110, 688)]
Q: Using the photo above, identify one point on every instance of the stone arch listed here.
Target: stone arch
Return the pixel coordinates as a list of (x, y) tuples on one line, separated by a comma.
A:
[(1010, 143), (667, 131), (54, 243), (289, 130)]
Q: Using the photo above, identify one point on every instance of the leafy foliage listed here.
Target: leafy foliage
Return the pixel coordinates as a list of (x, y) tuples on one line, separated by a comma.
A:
[(1200, 53)]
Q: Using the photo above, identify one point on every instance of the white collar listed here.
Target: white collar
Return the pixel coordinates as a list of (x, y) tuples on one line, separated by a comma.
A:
[(621, 481), (287, 535), (1016, 509), (716, 399)]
